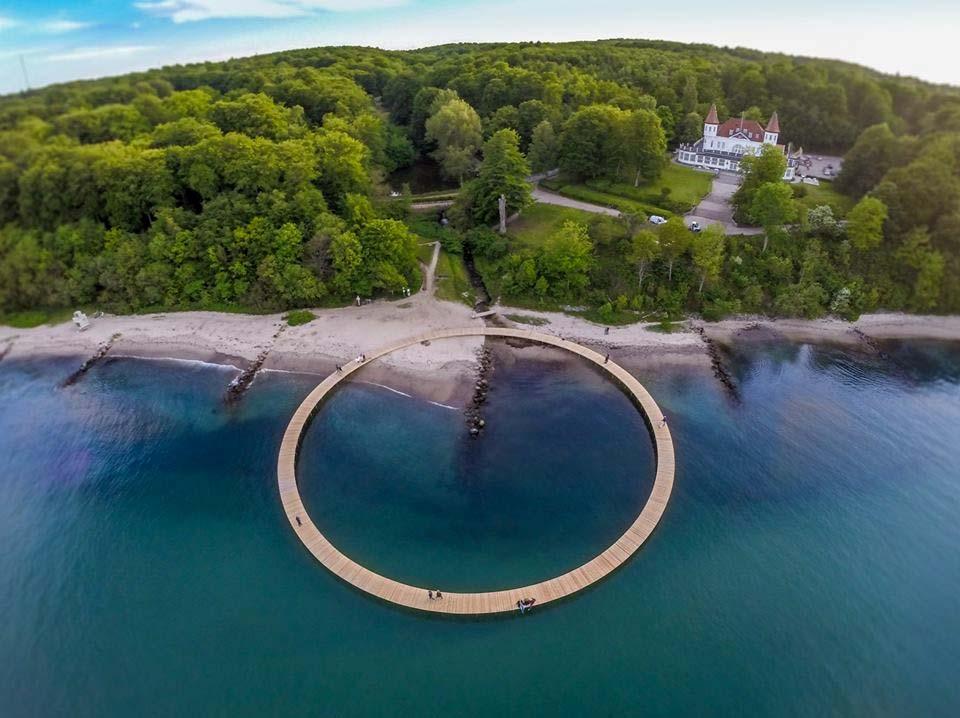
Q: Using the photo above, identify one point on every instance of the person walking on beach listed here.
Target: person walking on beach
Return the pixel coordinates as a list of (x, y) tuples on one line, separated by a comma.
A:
[(663, 421), (606, 359), (439, 595), (339, 369), (430, 595), (299, 522)]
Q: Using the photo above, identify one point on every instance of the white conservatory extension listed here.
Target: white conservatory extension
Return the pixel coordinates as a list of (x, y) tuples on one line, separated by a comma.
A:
[(724, 145)]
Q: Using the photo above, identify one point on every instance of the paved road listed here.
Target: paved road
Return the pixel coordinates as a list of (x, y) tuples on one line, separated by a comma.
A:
[(816, 166), (715, 208), (439, 204), (542, 195)]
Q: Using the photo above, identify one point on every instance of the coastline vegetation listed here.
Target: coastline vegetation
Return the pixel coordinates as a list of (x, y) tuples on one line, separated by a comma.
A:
[(299, 317), (528, 319), (453, 281), (259, 183)]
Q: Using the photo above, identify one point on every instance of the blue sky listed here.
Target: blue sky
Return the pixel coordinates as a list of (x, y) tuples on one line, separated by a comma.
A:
[(68, 39)]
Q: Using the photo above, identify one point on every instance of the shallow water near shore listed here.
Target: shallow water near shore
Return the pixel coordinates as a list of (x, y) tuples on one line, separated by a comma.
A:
[(807, 564)]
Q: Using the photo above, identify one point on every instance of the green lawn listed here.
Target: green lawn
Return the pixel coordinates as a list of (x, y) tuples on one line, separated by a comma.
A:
[(685, 185), (686, 188), (299, 317), (35, 317), (425, 253), (666, 327), (453, 282), (605, 199), (437, 196), (540, 221), (527, 319), (826, 194), (426, 227)]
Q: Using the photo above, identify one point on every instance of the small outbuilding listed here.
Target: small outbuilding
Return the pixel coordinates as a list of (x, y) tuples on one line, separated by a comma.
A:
[(80, 320)]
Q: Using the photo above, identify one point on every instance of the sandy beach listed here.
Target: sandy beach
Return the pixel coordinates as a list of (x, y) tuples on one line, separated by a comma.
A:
[(893, 325), (442, 371)]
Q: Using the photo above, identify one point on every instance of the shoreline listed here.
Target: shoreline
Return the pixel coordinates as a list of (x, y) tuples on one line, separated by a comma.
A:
[(880, 326), (443, 372)]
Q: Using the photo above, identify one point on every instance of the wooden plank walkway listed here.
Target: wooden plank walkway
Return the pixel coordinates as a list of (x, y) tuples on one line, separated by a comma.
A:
[(481, 602)]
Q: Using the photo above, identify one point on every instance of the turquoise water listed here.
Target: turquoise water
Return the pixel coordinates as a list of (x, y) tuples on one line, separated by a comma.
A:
[(563, 467), (807, 564)]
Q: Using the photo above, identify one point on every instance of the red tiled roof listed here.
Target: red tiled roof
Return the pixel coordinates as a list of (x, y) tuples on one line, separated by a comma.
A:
[(752, 129), (712, 118), (774, 124)]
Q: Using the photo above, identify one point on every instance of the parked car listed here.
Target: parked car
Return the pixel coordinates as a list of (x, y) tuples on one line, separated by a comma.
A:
[(695, 227), (657, 219)]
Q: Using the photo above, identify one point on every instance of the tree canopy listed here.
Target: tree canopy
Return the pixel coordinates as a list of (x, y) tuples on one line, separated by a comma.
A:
[(259, 182)]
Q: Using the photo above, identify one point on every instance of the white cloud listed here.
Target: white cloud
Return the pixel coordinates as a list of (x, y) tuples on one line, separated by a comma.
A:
[(25, 51), (96, 53), (58, 27), (7, 22), (193, 10)]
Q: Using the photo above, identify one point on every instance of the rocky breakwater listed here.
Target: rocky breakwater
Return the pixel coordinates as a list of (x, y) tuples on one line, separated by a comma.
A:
[(716, 362), (101, 352), (474, 411)]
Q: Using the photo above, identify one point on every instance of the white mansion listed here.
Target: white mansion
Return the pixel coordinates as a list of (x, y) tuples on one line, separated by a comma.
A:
[(724, 145)]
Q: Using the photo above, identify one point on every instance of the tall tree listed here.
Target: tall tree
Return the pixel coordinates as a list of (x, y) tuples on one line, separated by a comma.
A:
[(767, 167), (591, 142), (773, 206), (707, 250), (425, 103), (876, 151), (544, 149), (531, 114), (674, 241), (927, 265), (644, 248), (865, 223), (645, 144), (690, 128), (566, 259), (504, 172), (456, 129)]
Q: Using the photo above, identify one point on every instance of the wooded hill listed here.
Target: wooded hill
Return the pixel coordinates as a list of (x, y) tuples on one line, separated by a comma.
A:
[(259, 182)]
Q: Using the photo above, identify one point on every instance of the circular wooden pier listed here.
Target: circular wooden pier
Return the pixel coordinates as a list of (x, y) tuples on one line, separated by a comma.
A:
[(481, 602)]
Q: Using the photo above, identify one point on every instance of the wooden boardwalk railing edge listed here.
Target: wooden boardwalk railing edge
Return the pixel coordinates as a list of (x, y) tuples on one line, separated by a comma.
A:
[(416, 597)]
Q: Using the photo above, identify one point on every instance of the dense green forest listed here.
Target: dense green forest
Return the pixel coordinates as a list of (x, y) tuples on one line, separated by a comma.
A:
[(260, 183)]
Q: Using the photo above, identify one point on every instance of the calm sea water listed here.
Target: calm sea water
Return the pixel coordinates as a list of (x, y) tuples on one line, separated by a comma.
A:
[(808, 562)]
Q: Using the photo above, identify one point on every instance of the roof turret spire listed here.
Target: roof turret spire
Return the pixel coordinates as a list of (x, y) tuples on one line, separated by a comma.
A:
[(773, 126)]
